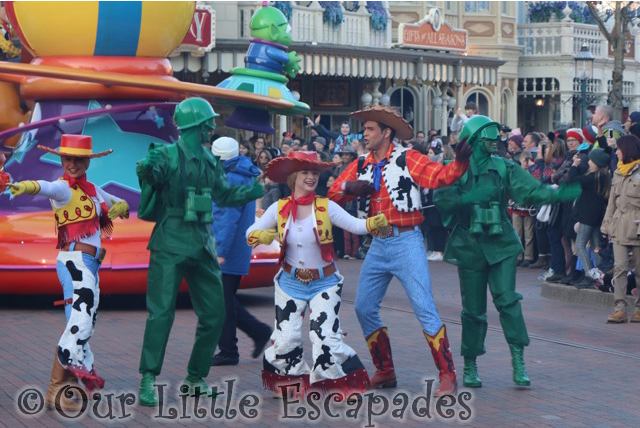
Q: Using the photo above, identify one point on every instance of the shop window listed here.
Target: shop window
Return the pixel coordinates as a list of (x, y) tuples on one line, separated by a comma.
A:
[(246, 87), (481, 102), (403, 101), (476, 6)]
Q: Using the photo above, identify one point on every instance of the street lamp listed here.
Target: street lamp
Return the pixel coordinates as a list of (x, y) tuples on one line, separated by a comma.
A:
[(584, 72)]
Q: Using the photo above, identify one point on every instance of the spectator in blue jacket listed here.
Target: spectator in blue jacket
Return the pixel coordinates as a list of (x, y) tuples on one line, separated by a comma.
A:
[(341, 139), (234, 255)]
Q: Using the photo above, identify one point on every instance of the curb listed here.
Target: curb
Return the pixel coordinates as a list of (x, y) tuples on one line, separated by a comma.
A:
[(568, 293)]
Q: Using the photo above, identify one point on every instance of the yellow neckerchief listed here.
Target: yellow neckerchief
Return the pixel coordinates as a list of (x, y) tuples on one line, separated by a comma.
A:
[(625, 168)]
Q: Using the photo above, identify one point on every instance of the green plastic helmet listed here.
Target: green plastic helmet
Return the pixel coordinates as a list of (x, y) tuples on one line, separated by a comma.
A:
[(478, 127), (193, 112)]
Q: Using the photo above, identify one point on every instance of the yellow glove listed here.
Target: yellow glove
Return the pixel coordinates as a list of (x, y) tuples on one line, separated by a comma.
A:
[(261, 236), (376, 223), (118, 209), (24, 188)]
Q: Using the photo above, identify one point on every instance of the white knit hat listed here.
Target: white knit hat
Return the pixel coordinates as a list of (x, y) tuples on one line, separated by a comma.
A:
[(226, 148)]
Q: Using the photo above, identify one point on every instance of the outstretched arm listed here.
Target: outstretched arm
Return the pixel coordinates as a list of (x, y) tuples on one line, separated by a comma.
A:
[(225, 195), (526, 190), (431, 175)]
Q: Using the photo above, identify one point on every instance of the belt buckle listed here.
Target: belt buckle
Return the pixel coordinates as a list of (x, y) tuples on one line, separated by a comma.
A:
[(303, 275), (385, 232)]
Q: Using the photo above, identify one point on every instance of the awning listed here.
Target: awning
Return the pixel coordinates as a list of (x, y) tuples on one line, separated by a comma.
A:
[(370, 63)]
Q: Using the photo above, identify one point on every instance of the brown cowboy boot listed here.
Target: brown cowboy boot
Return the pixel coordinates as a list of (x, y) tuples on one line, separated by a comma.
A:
[(439, 344), (59, 379), (380, 349)]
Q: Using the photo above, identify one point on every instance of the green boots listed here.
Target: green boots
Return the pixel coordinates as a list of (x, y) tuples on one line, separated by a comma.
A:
[(470, 377), (196, 386), (519, 370), (191, 385), (147, 395)]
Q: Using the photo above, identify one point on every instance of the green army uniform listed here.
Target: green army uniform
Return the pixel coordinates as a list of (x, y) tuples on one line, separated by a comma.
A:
[(484, 245), (185, 178)]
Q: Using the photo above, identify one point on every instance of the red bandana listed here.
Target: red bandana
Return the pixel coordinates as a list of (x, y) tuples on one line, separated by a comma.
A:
[(82, 182), (292, 205)]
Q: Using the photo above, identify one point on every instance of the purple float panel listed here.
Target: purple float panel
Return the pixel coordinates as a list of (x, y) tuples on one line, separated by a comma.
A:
[(257, 120), (129, 134)]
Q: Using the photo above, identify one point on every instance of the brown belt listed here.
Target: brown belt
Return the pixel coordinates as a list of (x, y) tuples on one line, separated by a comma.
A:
[(307, 275), (87, 249), (387, 231)]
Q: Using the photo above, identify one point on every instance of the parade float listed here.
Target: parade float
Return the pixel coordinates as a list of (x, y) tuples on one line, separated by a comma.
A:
[(100, 69)]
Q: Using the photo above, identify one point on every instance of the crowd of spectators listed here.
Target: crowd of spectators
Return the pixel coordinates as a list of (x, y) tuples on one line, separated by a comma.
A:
[(592, 242)]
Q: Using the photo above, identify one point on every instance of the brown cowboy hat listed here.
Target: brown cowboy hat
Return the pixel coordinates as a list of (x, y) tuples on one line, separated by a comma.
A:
[(78, 146), (280, 168), (387, 116)]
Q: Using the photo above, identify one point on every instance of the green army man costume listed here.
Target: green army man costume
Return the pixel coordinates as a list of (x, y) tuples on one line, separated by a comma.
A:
[(484, 245), (178, 183)]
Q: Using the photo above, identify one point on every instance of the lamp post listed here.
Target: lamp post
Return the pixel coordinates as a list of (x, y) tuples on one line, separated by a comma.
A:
[(584, 72)]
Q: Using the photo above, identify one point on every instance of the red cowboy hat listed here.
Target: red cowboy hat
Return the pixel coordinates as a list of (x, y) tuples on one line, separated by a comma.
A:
[(387, 116), (78, 146), (279, 169)]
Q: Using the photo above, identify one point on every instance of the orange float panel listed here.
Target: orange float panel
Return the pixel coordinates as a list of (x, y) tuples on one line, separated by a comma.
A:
[(28, 257)]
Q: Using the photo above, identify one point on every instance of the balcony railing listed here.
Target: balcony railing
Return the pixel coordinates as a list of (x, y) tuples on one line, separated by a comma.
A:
[(307, 25), (561, 38)]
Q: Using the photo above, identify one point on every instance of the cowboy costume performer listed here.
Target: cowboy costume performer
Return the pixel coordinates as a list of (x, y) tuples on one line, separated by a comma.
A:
[(388, 181), (309, 278), (83, 213), (484, 245)]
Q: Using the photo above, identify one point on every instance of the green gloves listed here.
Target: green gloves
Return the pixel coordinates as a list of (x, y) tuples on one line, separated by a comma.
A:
[(569, 192)]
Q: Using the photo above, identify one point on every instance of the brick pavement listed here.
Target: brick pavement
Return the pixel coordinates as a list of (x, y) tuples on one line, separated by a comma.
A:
[(582, 369)]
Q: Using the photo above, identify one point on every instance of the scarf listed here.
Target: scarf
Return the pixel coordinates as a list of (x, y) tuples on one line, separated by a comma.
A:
[(377, 173), (292, 205), (625, 168)]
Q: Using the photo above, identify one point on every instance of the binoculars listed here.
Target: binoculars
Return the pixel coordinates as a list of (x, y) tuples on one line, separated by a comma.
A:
[(481, 217), (198, 204)]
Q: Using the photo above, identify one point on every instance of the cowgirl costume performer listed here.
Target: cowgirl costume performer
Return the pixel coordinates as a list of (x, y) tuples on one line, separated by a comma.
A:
[(310, 279), (83, 212)]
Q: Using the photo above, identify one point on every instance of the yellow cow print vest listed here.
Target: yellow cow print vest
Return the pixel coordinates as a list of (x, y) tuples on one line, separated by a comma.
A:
[(322, 230)]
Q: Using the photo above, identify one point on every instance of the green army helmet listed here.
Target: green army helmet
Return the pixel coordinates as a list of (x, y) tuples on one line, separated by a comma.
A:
[(478, 128), (193, 112)]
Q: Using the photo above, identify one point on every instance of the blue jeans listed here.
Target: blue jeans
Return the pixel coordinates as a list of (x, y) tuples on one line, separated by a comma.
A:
[(403, 256), (305, 291), (64, 277), (587, 233)]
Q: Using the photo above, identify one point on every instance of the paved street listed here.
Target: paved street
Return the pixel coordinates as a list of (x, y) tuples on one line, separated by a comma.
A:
[(583, 371)]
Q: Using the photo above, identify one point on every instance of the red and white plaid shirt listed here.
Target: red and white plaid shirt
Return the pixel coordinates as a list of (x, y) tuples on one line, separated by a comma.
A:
[(425, 173)]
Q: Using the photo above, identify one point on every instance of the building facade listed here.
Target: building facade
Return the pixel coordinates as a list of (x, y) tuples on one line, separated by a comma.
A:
[(349, 66)]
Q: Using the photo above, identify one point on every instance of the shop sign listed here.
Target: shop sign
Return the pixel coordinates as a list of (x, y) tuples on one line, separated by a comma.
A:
[(432, 32), (629, 47), (201, 36)]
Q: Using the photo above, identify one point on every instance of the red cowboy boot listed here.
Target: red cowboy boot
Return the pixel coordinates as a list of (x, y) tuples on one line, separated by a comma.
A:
[(380, 349), (439, 344)]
